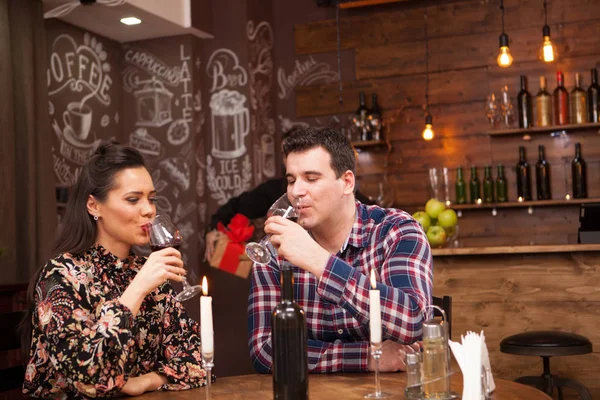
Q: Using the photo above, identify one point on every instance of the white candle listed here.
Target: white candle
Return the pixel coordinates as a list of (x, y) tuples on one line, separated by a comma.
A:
[(375, 311), (206, 320)]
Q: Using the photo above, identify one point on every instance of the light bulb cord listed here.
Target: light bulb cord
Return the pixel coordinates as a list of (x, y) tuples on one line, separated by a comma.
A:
[(426, 65), (545, 13), (502, 9)]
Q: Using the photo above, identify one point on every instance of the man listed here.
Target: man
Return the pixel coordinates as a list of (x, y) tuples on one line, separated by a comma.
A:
[(333, 247)]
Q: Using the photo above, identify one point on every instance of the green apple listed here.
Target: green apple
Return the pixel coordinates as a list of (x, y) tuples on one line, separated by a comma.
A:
[(447, 219), (434, 207), (436, 235), (423, 219)]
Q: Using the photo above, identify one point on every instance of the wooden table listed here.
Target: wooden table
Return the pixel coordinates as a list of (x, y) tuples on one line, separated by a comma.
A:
[(335, 386)]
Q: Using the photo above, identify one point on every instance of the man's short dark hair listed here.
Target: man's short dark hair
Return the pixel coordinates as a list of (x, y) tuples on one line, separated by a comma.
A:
[(337, 145)]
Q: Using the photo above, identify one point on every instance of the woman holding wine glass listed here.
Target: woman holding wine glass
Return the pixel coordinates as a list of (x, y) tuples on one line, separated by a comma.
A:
[(102, 321)]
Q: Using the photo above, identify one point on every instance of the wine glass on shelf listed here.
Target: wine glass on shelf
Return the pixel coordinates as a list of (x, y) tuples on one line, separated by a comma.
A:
[(259, 252), (163, 234), (491, 109), (506, 107)]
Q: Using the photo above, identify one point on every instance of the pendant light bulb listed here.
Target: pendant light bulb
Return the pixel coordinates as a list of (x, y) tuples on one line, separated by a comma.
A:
[(428, 133), (505, 59), (548, 50)]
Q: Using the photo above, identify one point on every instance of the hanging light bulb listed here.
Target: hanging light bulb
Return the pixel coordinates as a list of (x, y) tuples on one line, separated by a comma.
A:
[(505, 59), (548, 50), (428, 133)]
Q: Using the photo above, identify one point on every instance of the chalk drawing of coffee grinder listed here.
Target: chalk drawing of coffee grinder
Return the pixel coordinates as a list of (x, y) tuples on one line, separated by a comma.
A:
[(230, 124)]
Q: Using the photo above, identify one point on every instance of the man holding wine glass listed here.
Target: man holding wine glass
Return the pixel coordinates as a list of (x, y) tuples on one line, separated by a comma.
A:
[(102, 321), (332, 248)]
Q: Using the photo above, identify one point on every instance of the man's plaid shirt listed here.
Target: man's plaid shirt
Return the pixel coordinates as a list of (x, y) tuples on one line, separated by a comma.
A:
[(337, 306)]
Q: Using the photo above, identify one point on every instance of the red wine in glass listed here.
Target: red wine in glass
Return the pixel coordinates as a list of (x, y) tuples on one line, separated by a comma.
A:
[(163, 234)]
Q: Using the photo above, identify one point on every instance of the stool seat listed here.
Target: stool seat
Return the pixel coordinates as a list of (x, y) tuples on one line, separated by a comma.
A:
[(546, 344)]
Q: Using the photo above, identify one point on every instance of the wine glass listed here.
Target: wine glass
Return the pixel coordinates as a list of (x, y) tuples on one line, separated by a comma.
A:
[(163, 234), (491, 109), (506, 107), (259, 252)]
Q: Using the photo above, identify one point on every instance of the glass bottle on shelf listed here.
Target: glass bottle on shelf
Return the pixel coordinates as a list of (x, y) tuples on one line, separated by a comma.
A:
[(506, 107), (488, 185), (523, 177), (474, 186), (578, 103), (542, 176), (460, 187), (525, 105), (501, 186), (374, 119), (593, 98), (361, 118), (561, 101), (543, 105), (579, 174)]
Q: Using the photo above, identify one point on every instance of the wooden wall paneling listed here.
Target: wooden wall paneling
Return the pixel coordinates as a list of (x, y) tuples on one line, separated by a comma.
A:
[(395, 92), (404, 23)]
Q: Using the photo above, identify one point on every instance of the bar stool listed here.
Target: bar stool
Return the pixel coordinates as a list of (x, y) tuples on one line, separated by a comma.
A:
[(546, 344)]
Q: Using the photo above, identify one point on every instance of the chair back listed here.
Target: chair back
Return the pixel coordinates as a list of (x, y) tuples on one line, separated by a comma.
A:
[(445, 303), (12, 371)]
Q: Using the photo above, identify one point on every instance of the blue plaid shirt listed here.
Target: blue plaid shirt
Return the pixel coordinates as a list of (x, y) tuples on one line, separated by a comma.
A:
[(336, 307)]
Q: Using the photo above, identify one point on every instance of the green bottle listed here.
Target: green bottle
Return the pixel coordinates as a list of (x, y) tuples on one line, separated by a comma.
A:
[(460, 187), (474, 186), (501, 191), (488, 186)]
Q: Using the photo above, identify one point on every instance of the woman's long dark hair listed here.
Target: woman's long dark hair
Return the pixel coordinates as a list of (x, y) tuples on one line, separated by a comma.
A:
[(77, 231)]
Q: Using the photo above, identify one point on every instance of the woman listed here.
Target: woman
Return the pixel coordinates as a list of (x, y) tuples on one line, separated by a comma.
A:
[(102, 321)]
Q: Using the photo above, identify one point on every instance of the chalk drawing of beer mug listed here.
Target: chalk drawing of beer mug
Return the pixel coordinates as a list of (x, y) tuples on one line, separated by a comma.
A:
[(230, 124), (79, 119)]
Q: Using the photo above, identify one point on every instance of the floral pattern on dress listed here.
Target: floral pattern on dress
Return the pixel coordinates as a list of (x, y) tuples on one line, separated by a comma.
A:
[(85, 343)]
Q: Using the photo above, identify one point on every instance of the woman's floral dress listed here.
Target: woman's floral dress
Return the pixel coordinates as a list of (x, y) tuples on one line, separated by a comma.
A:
[(85, 343)]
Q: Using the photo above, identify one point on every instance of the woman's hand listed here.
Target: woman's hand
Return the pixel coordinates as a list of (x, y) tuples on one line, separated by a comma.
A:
[(160, 266), (145, 383)]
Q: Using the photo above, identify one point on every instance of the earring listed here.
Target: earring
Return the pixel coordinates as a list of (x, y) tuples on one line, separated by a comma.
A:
[(95, 218)]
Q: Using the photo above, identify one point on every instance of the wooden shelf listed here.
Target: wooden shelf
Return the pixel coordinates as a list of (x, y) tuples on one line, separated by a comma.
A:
[(560, 248), (523, 204), (366, 3), (553, 128), (369, 143)]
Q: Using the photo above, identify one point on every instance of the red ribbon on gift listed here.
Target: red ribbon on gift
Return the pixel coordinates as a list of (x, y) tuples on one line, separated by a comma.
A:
[(238, 231)]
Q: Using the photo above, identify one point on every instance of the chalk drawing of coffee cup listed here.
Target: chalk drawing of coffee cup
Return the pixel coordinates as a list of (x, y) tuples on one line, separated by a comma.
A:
[(230, 124), (79, 119)]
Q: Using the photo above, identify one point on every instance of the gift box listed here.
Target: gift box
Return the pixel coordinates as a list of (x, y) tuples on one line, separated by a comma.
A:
[(230, 254)]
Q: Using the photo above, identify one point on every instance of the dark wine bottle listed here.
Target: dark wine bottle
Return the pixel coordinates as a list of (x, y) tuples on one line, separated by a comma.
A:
[(374, 119), (542, 177), (460, 187), (525, 105), (501, 186), (561, 101), (488, 185), (593, 98), (523, 177), (361, 118), (474, 186), (579, 108), (290, 357), (579, 174)]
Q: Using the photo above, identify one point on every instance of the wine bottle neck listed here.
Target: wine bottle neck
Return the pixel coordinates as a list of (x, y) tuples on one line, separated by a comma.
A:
[(459, 173), (522, 154), (594, 76), (500, 171), (287, 283)]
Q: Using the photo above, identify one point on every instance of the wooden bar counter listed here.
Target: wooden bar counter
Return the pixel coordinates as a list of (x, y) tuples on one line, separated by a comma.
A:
[(506, 290)]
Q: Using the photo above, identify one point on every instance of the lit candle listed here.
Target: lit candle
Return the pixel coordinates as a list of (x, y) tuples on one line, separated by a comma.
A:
[(206, 320), (568, 197), (478, 201), (520, 199), (375, 311)]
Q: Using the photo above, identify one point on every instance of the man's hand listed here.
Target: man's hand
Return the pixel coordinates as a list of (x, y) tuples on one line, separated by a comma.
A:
[(295, 245), (138, 385), (393, 357), (211, 244)]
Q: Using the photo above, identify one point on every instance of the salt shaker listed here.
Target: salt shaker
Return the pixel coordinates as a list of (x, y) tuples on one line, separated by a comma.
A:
[(413, 377)]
